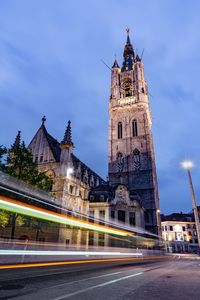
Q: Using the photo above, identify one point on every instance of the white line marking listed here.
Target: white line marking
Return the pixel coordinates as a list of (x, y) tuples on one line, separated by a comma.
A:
[(85, 279), (96, 286)]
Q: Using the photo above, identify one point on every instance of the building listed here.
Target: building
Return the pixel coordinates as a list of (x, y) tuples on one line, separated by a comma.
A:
[(72, 179), (131, 195), (179, 233)]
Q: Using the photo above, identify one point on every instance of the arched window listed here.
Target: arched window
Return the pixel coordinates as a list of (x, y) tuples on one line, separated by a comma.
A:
[(119, 130), (120, 162), (134, 128), (136, 159)]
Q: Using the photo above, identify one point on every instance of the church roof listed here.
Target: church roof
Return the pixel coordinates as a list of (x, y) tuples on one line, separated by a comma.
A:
[(53, 143), (76, 162)]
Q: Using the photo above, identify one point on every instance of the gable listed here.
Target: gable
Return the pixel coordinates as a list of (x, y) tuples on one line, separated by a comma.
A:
[(44, 147)]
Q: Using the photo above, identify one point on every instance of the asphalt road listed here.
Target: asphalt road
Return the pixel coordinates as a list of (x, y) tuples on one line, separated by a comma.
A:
[(173, 278)]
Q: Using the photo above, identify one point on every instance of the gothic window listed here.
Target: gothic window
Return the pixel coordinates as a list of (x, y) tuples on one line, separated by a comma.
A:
[(134, 128), (136, 159), (120, 162), (119, 130)]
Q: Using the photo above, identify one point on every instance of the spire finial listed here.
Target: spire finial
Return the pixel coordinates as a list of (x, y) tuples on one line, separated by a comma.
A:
[(67, 140), (127, 30), (43, 120)]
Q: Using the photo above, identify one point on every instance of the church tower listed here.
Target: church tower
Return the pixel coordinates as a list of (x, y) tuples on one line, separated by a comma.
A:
[(131, 151)]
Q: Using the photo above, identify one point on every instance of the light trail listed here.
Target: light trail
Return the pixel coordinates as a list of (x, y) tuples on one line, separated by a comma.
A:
[(27, 209), (67, 253), (76, 262), (75, 214)]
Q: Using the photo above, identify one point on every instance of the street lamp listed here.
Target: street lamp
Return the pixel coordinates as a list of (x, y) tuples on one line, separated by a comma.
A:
[(187, 165)]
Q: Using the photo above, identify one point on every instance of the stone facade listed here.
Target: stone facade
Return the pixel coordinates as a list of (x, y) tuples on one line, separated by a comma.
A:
[(72, 179), (131, 152)]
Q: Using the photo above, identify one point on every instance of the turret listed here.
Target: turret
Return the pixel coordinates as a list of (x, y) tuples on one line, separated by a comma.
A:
[(115, 80), (66, 145)]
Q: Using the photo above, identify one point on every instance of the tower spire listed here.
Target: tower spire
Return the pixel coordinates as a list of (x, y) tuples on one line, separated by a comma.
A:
[(128, 54), (128, 49), (17, 141), (67, 140), (128, 38)]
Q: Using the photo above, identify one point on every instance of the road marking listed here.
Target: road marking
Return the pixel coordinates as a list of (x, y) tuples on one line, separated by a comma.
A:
[(85, 279), (96, 286)]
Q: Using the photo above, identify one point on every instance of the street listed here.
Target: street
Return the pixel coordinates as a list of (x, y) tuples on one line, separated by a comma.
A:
[(173, 278)]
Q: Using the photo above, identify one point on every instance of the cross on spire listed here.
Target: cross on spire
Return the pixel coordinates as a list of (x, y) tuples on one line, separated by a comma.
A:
[(43, 120)]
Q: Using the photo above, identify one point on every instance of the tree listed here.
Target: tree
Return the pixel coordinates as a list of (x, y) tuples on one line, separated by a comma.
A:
[(20, 164), (4, 218), (3, 151)]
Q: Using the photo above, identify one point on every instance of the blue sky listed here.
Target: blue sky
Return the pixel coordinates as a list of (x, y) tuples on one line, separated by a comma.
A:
[(50, 54)]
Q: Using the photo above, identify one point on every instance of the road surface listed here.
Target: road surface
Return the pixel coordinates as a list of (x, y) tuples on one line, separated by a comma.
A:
[(174, 278)]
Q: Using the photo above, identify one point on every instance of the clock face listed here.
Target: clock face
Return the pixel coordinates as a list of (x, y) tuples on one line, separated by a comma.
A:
[(127, 100)]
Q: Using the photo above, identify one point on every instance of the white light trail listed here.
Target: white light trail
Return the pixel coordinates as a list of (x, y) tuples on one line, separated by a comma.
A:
[(67, 253)]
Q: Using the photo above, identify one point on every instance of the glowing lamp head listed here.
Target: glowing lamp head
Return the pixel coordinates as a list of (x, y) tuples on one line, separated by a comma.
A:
[(69, 172), (187, 164)]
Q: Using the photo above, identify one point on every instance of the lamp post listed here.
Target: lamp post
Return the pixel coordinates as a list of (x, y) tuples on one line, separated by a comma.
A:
[(187, 165)]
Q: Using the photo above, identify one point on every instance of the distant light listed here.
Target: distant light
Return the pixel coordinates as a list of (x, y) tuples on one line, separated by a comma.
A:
[(69, 172), (187, 164)]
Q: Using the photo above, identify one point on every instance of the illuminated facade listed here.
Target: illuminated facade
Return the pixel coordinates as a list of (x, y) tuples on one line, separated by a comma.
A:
[(179, 232), (131, 152)]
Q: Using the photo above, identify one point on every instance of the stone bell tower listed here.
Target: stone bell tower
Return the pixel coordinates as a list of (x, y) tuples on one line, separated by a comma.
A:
[(131, 151)]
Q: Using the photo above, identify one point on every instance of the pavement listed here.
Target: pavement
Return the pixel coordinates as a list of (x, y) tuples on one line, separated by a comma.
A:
[(175, 277)]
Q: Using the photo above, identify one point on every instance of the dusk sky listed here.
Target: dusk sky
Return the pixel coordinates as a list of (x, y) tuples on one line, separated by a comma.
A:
[(50, 64)]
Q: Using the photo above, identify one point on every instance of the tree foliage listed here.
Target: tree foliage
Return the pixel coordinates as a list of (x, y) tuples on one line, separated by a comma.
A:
[(3, 151), (20, 165)]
